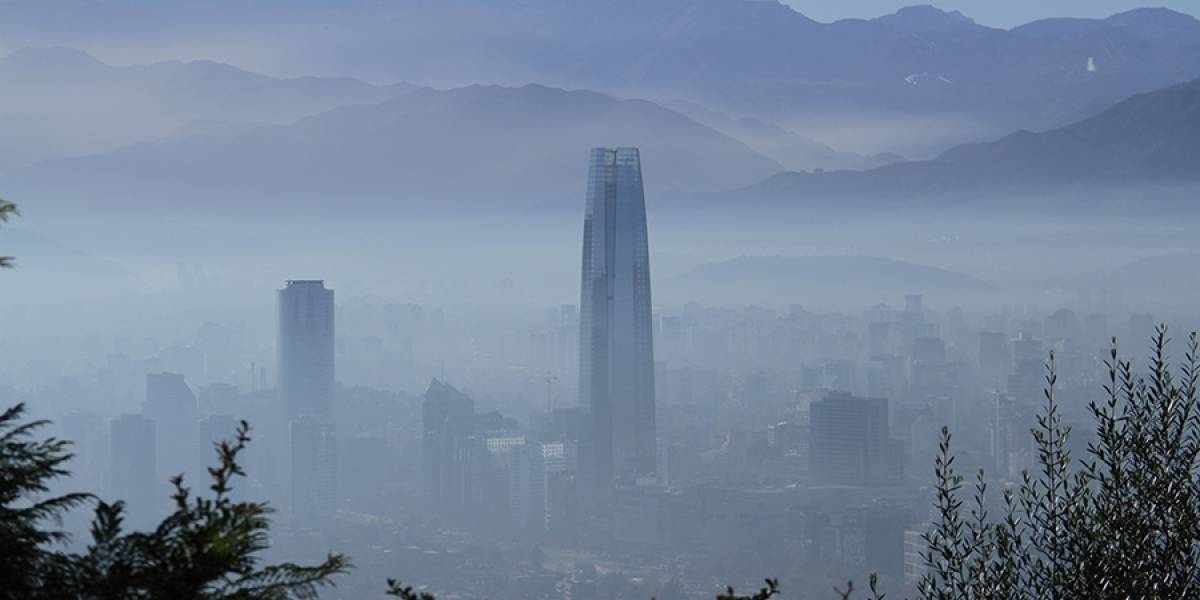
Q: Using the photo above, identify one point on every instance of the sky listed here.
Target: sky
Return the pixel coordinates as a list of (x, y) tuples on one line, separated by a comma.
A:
[(994, 13)]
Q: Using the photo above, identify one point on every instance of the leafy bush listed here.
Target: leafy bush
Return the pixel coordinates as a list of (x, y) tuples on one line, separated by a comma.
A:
[(1122, 522)]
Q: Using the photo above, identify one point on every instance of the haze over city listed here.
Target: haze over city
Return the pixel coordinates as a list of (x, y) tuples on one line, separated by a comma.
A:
[(578, 299)]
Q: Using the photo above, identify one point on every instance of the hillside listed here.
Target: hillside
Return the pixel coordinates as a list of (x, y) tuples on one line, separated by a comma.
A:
[(1151, 138), (483, 146), (64, 102), (957, 80)]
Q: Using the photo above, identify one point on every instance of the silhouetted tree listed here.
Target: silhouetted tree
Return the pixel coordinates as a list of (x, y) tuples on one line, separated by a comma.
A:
[(767, 591), (29, 515), (399, 590), (207, 548)]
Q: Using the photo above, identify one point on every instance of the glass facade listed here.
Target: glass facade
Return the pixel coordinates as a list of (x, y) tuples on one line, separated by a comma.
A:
[(616, 354)]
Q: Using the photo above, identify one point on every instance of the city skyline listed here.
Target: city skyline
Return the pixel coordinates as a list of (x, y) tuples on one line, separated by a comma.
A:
[(590, 300)]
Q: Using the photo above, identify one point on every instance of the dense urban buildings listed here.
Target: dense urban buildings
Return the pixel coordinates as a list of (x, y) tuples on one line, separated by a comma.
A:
[(616, 348)]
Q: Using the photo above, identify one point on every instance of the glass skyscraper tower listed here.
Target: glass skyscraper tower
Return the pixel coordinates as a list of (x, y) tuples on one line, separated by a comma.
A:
[(616, 349)]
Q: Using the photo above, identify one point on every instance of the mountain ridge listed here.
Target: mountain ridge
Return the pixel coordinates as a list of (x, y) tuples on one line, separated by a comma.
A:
[(487, 147), (762, 58), (64, 102), (1148, 138)]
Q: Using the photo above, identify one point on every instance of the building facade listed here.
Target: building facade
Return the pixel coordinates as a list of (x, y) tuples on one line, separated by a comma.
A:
[(306, 390), (850, 443), (306, 364), (314, 470), (616, 353)]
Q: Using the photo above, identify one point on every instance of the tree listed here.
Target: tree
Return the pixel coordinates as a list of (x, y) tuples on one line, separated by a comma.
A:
[(1123, 522), (208, 548), (7, 209), (27, 468)]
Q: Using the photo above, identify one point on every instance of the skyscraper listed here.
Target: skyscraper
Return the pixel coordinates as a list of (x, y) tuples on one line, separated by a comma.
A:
[(171, 405), (442, 405), (306, 349), (314, 469), (306, 387), (133, 468), (616, 353)]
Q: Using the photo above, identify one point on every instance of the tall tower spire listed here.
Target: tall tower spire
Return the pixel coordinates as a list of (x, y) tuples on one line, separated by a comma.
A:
[(616, 354)]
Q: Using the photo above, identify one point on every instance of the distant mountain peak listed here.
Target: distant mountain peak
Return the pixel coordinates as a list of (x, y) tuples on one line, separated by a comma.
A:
[(1157, 25), (53, 57), (1148, 139), (927, 18), (1153, 13)]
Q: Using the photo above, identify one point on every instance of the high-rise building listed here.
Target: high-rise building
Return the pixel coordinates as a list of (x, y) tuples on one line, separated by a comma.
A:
[(849, 441), (133, 468), (616, 353), (306, 388), (442, 404), (314, 469), (306, 369), (994, 356), (171, 405), (541, 482)]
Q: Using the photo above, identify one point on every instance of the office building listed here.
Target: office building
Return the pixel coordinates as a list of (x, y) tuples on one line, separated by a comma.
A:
[(314, 470), (133, 469), (171, 404), (849, 441), (306, 367), (442, 403), (541, 485), (306, 389), (616, 355)]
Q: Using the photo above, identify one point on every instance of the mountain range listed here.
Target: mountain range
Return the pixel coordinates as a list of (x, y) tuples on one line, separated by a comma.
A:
[(485, 147), (1149, 139), (63, 102), (506, 148), (792, 150), (956, 80), (204, 135)]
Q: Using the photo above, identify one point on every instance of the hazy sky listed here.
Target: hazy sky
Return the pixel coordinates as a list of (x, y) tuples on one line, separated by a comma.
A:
[(995, 13)]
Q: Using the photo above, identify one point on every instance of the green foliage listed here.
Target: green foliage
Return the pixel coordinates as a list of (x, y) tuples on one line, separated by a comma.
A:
[(27, 468), (1124, 522), (395, 588), (207, 548), (7, 209)]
